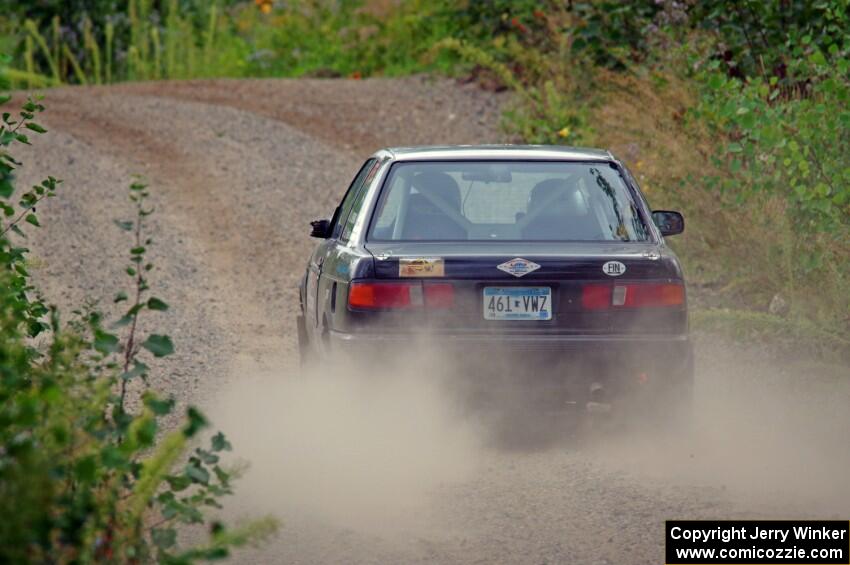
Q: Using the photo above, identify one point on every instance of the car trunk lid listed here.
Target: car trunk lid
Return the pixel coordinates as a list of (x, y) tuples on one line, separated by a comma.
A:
[(565, 268)]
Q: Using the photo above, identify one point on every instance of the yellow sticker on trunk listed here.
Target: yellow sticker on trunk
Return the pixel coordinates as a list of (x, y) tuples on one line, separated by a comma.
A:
[(421, 267)]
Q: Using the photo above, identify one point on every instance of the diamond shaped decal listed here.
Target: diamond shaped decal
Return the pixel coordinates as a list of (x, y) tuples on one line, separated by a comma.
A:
[(518, 267)]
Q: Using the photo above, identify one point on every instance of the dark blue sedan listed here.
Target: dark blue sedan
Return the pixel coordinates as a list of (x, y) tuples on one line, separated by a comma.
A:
[(545, 254)]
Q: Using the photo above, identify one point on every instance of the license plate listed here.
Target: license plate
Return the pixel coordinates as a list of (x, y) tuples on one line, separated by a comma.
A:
[(517, 303)]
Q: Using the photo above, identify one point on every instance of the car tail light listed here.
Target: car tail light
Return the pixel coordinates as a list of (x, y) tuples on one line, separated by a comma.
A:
[(379, 295), (633, 295), (596, 296), (439, 295), (649, 295), (400, 295)]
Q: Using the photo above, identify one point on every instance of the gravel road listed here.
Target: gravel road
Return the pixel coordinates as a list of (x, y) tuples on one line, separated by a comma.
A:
[(387, 470)]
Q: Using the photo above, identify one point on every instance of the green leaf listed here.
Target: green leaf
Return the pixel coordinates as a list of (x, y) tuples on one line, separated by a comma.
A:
[(135, 309), (7, 137), (120, 297), (196, 422), (139, 370), (159, 345), (112, 458), (146, 431), (207, 457), (5, 98), (121, 322), (220, 443), (157, 304), (6, 187), (32, 219), (158, 406), (35, 127), (104, 342), (197, 473), (178, 482), (137, 250), (124, 225), (28, 200), (222, 476), (817, 58)]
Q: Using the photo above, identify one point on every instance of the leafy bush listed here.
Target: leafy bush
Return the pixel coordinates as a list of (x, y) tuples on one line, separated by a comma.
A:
[(795, 147), (785, 149), (613, 33), (756, 38), (83, 477)]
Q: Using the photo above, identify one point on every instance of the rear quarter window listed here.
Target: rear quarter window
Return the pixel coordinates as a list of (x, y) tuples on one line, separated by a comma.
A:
[(357, 204), (342, 212)]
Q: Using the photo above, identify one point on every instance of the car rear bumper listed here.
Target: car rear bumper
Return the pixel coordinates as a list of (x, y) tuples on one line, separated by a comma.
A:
[(608, 344), (617, 363), (563, 368)]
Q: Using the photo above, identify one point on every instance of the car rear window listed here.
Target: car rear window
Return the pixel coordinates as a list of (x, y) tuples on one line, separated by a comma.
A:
[(506, 200)]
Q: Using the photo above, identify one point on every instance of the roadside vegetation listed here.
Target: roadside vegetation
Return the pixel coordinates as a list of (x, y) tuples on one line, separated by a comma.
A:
[(88, 473), (734, 111)]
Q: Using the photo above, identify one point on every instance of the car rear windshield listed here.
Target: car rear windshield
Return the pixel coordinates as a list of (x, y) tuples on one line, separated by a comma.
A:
[(506, 200)]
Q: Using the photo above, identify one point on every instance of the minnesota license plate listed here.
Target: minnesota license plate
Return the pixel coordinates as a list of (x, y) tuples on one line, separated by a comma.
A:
[(517, 303)]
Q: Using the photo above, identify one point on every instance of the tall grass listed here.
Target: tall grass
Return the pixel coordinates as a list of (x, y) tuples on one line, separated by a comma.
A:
[(176, 48)]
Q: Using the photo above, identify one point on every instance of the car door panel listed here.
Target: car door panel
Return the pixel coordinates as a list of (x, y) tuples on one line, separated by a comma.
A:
[(325, 257)]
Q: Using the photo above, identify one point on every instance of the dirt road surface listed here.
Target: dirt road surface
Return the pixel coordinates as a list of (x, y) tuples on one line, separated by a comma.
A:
[(387, 469)]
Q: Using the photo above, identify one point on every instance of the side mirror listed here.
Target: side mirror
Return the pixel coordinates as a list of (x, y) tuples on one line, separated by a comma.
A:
[(669, 222), (320, 229)]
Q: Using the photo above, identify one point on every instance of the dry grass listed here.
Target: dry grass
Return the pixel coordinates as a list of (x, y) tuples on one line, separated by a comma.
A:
[(643, 121), (735, 254)]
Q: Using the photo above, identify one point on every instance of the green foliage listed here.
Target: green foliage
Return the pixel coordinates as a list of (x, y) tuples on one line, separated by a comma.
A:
[(756, 38), (772, 77), (782, 147), (781, 125), (15, 213), (535, 61), (83, 478), (102, 41), (614, 33), (793, 147)]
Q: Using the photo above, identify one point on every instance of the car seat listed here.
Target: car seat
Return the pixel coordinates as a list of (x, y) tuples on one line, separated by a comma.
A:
[(559, 211), (426, 220)]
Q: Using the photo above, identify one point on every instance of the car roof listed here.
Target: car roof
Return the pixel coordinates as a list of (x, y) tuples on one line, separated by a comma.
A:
[(508, 152)]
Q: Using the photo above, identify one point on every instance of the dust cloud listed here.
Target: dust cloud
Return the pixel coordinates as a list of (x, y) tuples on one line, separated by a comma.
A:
[(771, 433), (369, 447), (362, 446)]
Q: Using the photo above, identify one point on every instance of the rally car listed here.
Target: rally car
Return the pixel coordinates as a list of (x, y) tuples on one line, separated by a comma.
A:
[(541, 255)]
